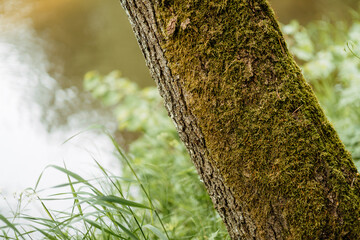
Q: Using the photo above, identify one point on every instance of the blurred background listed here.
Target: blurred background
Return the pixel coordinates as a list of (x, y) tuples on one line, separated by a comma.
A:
[(47, 46)]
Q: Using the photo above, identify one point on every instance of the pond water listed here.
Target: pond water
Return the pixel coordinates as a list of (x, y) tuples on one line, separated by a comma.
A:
[(46, 46), (41, 99)]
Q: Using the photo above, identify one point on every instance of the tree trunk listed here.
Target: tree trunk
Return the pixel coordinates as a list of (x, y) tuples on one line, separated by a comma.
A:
[(272, 163)]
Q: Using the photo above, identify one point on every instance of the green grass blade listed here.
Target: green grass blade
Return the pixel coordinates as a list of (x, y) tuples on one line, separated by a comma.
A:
[(156, 231), (92, 127), (10, 225), (38, 180), (4, 236), (77, 177), (47, 235), (122, 201), (68, 172), (123, 155), (94, 224), (122, 195), (127, 231)]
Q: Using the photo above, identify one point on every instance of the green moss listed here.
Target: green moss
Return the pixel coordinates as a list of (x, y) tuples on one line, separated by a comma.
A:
[(262, 123)]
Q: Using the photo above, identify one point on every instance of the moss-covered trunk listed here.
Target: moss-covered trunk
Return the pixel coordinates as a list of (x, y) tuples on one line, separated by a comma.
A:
[(271, 162)]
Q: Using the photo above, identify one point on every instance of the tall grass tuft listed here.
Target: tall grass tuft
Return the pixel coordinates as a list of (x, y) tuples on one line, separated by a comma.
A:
[(102, 208)]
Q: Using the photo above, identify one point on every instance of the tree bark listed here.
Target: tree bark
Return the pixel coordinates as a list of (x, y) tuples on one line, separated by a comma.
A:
[(271, 162)]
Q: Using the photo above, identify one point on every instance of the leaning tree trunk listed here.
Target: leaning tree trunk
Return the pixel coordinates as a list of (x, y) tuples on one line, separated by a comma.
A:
[(272, 163)]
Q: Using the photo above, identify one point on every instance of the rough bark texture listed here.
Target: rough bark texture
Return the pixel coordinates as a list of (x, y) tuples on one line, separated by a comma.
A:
[(271, 162)]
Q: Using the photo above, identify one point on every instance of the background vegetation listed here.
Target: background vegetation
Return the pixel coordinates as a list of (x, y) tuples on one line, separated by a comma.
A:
[(160, 195)]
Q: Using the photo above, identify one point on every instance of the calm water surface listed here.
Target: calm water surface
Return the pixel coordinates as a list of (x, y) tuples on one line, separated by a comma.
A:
[(41, 100)]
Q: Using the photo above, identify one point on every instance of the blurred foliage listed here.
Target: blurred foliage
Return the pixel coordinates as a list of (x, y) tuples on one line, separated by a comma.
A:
[(159, 157), (328, 55)]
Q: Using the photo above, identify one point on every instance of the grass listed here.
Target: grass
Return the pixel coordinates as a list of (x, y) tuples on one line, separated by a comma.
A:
[(101, 209), (107, 207)]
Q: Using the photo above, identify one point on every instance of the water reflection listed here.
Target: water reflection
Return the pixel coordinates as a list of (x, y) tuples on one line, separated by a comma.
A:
[(89, 34), (30, 97)]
